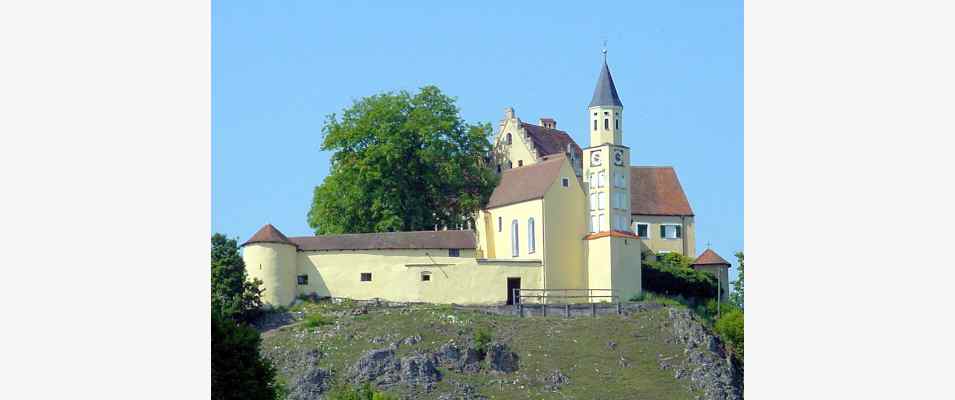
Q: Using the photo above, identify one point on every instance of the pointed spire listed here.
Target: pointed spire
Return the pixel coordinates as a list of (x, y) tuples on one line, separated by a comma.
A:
[(605, 94)]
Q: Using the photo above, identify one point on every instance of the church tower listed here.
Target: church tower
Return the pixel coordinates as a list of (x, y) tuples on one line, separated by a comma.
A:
[(612, 250), (607, 160)]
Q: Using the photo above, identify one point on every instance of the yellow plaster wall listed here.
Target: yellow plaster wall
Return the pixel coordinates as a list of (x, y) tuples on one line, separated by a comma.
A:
[(626, 267), (599, 275), (501, 241), (396, 276), (564, 228), (655, 243), (275, 265), (518, 150)]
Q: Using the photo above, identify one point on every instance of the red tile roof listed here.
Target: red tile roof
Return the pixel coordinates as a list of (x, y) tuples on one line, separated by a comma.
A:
[(657, 191), (463, 239), (268, 234), (551, 141), (526, 183), (709, 257)]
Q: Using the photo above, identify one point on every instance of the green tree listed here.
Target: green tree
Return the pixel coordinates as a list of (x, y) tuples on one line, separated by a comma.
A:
[(238, 371), (402, 162), (730, 329), (736, 297), (233, 295)]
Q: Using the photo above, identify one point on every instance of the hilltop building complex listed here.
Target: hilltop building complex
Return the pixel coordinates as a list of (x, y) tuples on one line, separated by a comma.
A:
[(564, 221)]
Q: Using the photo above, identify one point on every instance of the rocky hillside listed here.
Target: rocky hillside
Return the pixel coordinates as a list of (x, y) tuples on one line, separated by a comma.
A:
[(430, 352)]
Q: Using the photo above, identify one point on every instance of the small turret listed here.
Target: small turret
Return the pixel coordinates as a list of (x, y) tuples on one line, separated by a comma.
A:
[(605, 110), (270, 256)]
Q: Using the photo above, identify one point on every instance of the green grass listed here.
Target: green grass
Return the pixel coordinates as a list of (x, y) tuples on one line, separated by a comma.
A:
[(577, 346)]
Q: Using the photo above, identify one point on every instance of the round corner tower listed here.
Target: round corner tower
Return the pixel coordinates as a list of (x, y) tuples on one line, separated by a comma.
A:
[(271, 257)]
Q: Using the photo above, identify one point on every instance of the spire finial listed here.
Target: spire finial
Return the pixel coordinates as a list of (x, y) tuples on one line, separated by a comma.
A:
[(604, 51), (707, 244)]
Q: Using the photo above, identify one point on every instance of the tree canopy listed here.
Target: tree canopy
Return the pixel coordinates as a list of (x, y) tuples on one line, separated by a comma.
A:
[(402, 162), (238, 370), (736, 296), (233, 295)]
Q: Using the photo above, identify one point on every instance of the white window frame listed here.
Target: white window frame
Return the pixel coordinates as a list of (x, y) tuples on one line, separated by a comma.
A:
[(636, 229), (600, 218), (530, 235), (593, 201), (593, 223), (600, 200), (675, 236), (600, 179)]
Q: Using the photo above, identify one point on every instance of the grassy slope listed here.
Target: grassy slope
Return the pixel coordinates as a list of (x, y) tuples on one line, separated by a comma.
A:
[(578, 347)]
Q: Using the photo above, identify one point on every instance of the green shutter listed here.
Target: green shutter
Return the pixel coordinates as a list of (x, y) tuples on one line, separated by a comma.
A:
[(663, 232), (679, 234)]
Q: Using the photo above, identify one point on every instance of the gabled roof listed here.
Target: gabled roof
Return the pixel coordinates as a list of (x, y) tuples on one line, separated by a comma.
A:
[(709, 257), (388, 240), (657, 191), (526, 183), (268, 234), (551, 141), (605, 94)]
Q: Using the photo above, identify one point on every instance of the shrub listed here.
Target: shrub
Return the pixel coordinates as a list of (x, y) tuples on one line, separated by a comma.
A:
[(730, 329), (316, 320), (672, 275), (363, 392), (482, 338)]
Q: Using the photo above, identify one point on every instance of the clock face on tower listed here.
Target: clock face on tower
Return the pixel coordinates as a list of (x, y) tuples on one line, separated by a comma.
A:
[(595, 158), (618, 157)]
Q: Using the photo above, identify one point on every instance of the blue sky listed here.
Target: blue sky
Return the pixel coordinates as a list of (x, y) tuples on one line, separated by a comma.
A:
[(278, 68)]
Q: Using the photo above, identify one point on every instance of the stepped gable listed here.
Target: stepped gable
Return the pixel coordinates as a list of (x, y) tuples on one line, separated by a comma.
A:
[(709, 257), (549, 141), (463, 239), (268, 234), (657, 191), (526, 183)]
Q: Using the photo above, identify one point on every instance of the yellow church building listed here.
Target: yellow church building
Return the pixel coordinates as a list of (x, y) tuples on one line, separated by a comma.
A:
[(565, 224)]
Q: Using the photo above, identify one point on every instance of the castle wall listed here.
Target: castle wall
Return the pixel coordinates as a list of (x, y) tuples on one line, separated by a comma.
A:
[(396, 275), (274, 264)]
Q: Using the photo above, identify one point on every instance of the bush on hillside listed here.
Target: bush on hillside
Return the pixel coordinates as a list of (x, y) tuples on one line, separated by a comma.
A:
[(730, 329), (316, 320), (363, 392), (671, 275), (238, 370), (482, 338)]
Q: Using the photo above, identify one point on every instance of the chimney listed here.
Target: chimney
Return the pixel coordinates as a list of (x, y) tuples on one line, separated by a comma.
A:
[(549, 123)]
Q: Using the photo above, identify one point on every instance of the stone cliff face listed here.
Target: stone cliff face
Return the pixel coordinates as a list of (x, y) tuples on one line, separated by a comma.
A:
[(707, 367)]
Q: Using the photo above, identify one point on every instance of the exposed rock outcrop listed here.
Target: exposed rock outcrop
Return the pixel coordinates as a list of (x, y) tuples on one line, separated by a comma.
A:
[(501, 359), (706, 365), (382, 368), (311, 385), (452, 356)]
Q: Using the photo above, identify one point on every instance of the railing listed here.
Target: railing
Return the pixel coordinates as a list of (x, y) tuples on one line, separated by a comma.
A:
[(542, 296)]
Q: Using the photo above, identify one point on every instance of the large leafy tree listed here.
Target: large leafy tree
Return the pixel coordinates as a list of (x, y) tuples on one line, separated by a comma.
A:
[(402, 162), (233, 295), (238, 370), (737, 295)]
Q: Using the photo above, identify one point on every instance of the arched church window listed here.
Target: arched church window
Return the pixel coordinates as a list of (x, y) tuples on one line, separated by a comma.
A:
[(606, 123), (595, 124), (515, 250), (617, 124), (530, 235), (508, 138)]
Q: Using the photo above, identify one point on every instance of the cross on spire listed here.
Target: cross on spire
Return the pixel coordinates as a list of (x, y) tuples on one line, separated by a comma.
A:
[(707, 244), (604, 51)]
